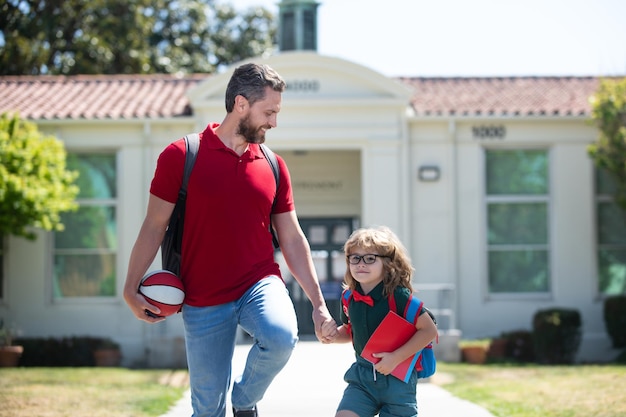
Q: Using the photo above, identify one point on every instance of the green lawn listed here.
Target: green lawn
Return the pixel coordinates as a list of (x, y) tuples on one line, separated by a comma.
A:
[(93, 392), (539, 391), (505, 390)]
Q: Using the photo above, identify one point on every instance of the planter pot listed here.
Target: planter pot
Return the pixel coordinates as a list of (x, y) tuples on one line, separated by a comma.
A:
[(107, 357), (474, 354), (10, 355)]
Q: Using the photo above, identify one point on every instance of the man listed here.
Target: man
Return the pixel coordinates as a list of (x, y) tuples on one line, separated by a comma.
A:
[(228, 265)]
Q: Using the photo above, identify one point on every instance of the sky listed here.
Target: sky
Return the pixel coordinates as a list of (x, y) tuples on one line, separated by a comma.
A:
[(469, 38)]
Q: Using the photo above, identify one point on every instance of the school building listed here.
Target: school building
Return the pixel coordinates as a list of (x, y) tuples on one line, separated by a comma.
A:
[(486, 180)]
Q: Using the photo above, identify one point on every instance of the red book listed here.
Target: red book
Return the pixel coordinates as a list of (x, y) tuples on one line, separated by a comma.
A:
[(393, 332)]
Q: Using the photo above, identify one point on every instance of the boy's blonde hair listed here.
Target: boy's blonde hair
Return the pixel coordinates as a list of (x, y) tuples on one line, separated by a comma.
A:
[(397, 268)]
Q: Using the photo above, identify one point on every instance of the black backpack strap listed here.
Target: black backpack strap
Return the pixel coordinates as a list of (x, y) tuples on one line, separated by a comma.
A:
[(171, 246), (271, 159), (192, 143)]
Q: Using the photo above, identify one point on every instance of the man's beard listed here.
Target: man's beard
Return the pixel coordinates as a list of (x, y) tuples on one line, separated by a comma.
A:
[(251, 134)]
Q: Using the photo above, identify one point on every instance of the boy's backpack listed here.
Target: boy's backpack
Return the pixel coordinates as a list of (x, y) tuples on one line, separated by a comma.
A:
[(426, 363), (172, 241)]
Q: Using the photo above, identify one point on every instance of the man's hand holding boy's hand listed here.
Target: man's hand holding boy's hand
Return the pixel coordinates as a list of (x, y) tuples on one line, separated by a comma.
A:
[(328, 331), (325, 326)]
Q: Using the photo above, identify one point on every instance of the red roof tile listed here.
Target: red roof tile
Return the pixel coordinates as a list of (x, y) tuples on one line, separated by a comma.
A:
[(514, 96), (163, 96), (97, 96)]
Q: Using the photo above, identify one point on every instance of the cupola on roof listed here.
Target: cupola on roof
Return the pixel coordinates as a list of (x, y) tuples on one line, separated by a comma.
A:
[(297, 25)]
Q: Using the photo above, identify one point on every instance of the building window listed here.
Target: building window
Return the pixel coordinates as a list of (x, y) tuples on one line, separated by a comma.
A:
[(85, 252), (310, 25), (517, 185), (611, 237), (288, 31)]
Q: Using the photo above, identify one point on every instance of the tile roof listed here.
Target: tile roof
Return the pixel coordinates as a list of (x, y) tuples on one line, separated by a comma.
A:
[(97, 96), (512, 96), (156, 96)]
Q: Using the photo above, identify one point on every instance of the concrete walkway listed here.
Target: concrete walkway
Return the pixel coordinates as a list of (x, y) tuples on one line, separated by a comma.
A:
[(311, 385)]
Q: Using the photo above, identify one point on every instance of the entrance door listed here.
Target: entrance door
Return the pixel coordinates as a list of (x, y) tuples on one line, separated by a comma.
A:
[(326, 237)]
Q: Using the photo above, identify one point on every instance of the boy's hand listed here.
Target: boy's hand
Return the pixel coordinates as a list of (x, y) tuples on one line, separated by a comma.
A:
[(386, 364)]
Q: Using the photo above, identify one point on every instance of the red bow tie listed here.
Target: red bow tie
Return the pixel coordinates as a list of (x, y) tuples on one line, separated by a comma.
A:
[(363, 298)]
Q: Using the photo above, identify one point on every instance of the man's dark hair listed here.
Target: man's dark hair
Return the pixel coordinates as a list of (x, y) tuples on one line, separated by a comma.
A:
[(250, 81)]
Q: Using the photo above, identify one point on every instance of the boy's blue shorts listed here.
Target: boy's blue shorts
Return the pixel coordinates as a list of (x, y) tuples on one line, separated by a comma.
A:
[(386, 395)]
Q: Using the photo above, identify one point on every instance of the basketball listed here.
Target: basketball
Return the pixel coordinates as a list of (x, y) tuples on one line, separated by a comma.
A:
[(164, 290)]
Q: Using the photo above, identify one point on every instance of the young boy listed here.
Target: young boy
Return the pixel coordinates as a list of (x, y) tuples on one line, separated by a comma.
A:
[(378, 267)]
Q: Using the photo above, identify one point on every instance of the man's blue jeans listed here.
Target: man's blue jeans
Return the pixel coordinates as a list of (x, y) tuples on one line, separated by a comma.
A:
[(266, 312)]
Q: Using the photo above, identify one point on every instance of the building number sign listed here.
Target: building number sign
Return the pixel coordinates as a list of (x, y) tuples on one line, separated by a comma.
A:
[(303, 86), (485, 132)]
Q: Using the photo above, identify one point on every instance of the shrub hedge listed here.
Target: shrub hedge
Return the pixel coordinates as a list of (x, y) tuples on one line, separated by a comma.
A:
[(556, 335), (65, 351), (615, 319)]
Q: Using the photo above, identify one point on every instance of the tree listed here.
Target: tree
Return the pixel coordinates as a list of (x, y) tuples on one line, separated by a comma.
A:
[(609, 151), (190, 36), (239, 36), (73, 37), (128, 36), (35, 186)]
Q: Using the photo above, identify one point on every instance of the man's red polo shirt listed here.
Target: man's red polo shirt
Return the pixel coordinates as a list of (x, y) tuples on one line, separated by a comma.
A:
[(227, 246)]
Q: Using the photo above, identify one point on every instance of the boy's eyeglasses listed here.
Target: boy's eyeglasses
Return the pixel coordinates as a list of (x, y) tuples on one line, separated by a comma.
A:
[(370, 258)]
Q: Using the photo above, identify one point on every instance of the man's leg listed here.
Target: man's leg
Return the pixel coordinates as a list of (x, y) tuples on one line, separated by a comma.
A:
[(210, 340), (267, 313)]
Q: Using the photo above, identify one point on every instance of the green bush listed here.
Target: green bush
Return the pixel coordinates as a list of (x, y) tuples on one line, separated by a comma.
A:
[(556, 335), (35, 186), (615, 319)]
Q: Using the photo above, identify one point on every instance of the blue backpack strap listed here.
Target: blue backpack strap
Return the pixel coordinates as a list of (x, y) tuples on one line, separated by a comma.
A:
[(426, 363), (413, 309), (424, 359), (345, 300)]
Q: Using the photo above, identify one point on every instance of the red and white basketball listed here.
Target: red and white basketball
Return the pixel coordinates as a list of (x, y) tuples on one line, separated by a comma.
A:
[(163, 289)]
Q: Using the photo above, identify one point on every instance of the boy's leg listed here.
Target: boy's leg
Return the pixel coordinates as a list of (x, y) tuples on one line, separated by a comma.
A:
[(210, 341), (400, 398), (360, 396), (266, 312)]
